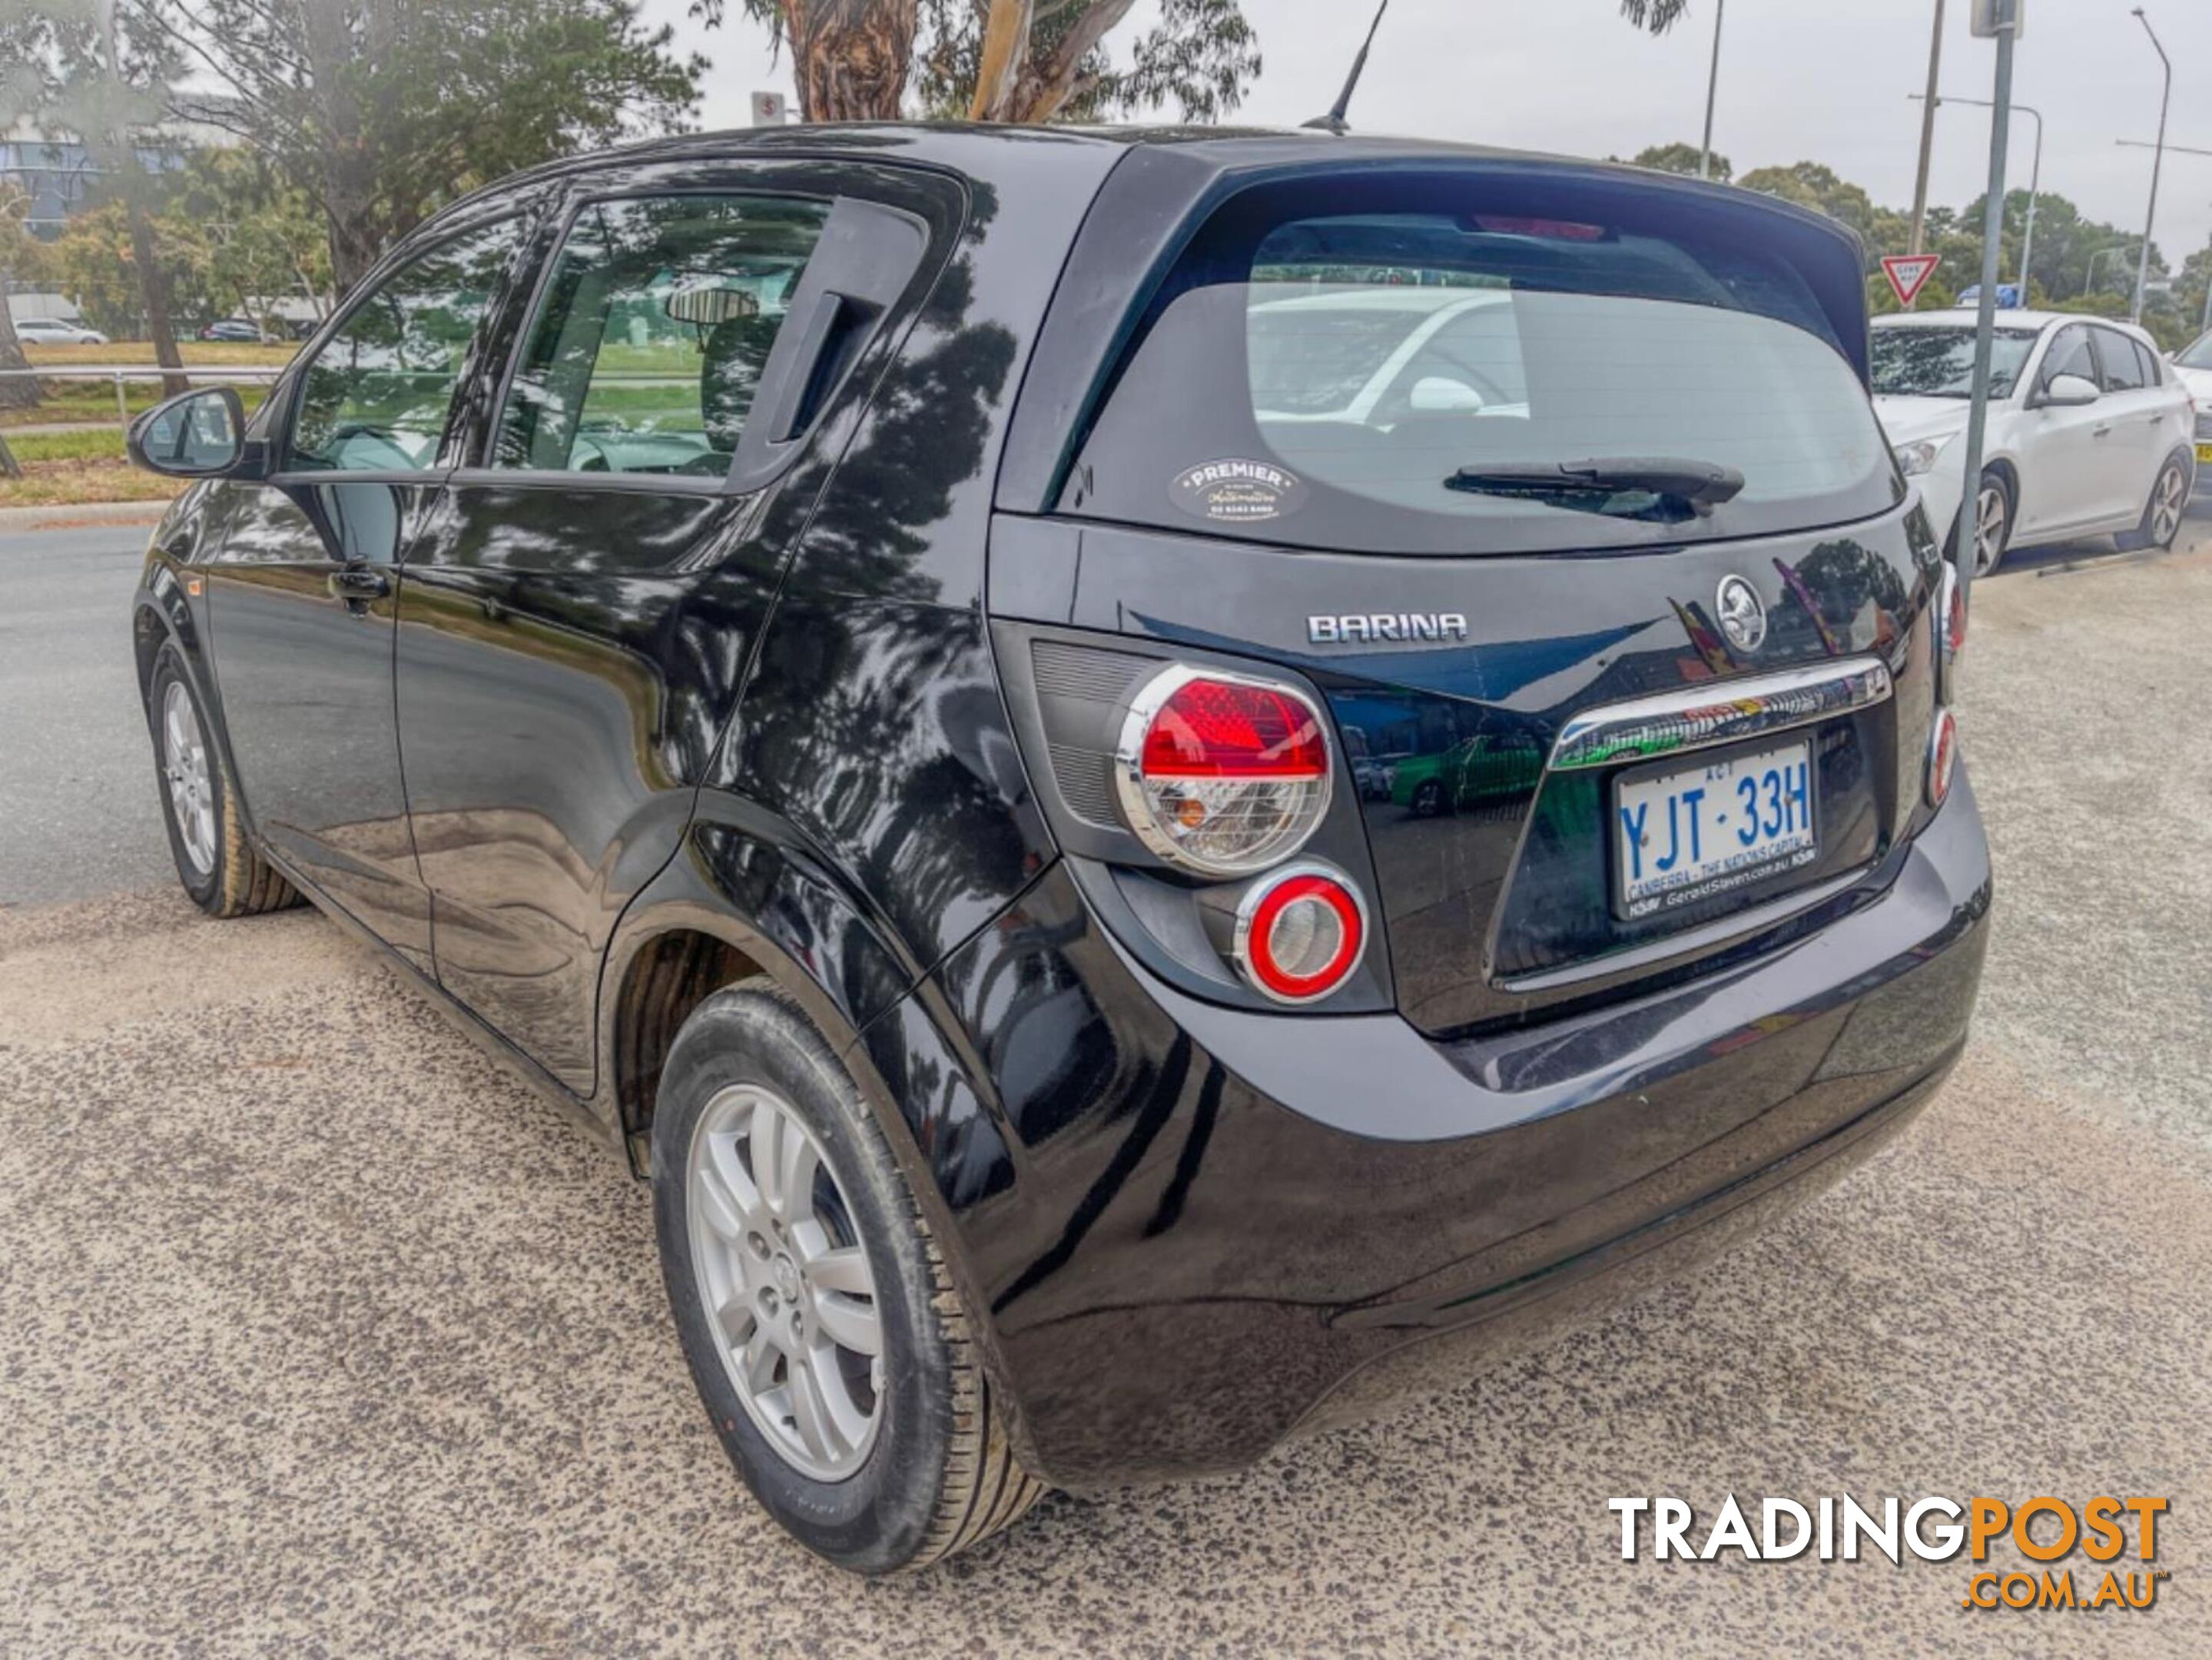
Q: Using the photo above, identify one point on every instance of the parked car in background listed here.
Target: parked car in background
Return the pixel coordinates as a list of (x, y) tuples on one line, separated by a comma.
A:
[(233, 329), (2192, 366), (878, 667), (53, 331), (2089, 432)]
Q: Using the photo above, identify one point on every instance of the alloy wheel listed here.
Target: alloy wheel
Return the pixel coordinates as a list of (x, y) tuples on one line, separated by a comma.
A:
[(185, 768), (2165, 503), (1991, 513), (789, 1295)]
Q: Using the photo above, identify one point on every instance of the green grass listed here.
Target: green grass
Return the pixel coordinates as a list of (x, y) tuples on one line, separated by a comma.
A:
[(103, 443), (94, 400)]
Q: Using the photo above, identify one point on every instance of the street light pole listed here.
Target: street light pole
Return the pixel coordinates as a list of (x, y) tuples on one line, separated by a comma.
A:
[(2034, 181), (2150, 216), (1970, 528), (1927, 134), (1712, 91)]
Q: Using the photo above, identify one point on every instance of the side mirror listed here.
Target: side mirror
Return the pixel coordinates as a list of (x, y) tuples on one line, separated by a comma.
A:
[(196, 434), (1437, 395), (2068, 391)]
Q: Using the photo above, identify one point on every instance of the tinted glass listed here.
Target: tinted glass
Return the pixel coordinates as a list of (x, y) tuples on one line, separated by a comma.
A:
[(2122, 370), (653, 331), (2197, 354), (194, 434), (2069, 355), (1911, 360), (376, 396), (2153, 375), (1396, 361)]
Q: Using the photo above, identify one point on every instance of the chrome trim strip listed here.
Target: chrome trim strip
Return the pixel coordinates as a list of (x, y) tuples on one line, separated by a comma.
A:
[(1718, 712)]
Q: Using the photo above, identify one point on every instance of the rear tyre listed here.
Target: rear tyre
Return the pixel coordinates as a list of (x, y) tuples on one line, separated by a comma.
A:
[(833, 1354), (215, 861), (2161, 519)]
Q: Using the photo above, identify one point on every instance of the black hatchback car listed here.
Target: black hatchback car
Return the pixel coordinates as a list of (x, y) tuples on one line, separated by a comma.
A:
[(872, 665)]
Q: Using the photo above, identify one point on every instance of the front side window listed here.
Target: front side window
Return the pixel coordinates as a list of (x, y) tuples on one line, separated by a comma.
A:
[(2197, 354), (2123, 370), (2070, 354), (653, 334), (377, 395), (1416, 380), (1914, 360)]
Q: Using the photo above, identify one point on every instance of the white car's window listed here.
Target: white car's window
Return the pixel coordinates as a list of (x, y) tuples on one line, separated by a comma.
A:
[(2197, 354), (2070, 354), (2123, 371), (376, 396), (653, 331)]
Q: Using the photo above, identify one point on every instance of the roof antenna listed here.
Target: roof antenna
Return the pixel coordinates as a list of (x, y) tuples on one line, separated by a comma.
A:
[(1334, 121)]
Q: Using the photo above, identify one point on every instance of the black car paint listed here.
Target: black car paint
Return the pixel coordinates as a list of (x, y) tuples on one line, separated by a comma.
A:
[(776, 721)]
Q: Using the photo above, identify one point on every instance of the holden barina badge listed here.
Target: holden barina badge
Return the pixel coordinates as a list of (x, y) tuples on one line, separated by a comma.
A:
[(1743, 618)]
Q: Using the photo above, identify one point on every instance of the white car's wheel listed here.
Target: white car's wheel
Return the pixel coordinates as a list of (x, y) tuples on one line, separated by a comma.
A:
[(1992, 522), (2161, 519)]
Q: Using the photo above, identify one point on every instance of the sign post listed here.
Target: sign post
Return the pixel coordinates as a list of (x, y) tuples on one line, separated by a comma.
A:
[(1908, 274), (1999, 18)]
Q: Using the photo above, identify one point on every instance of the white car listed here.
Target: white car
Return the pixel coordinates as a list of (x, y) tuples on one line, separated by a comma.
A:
[(53, 331), (2090, 433), (2192, 366)]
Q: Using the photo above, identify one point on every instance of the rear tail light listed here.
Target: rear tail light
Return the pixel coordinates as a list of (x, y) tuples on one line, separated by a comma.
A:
[(1942, 757), (1300, 934), (1219, 773), (1951, 636)]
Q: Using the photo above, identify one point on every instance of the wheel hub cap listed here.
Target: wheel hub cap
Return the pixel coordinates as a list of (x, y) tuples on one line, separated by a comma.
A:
[(185, 766), (787, 1291)]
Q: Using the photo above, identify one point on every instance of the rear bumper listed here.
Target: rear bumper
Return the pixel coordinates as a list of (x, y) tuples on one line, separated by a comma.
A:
[(1197, 1229)]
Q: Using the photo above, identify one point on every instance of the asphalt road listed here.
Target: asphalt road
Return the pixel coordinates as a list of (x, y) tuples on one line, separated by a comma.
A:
[(320, 1334)]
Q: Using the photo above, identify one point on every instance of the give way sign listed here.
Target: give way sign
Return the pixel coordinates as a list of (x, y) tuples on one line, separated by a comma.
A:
[(1908, 274)]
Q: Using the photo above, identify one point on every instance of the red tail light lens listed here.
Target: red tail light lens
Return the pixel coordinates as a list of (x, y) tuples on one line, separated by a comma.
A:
[(1942, 757), (1222, 774), (1951, 640), (1299, 935)]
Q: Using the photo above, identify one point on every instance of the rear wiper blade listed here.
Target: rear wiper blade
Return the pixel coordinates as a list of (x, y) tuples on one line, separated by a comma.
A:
[(1700, 485)]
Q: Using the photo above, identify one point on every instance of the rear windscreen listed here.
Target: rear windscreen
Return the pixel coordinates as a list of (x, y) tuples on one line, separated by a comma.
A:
[(1462, 381)]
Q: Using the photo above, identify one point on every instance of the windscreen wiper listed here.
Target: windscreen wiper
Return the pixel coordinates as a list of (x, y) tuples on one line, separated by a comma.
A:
[(1609, 484)]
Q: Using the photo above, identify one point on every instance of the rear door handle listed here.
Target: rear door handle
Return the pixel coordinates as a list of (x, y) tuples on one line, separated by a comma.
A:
[(2098, 432), (359, 584)]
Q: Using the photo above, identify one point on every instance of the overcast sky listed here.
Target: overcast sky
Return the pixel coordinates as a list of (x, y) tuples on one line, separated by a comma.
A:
[(1820, 80)]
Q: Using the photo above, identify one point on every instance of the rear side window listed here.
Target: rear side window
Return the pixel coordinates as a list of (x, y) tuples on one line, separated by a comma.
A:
[(653, 333), (2123, 370), (1403, 381)]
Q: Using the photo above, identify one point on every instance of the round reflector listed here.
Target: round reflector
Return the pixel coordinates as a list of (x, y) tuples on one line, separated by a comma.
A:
[(1299, 934), (1220, 773), (1942, 757)]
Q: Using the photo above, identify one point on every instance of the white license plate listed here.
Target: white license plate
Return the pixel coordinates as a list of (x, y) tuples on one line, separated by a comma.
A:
[(1694, 831)]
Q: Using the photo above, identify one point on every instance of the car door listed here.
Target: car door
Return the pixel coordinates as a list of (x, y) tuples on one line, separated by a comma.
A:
[(2065, 461), (584, 597), (2135, 415), (303, 579)]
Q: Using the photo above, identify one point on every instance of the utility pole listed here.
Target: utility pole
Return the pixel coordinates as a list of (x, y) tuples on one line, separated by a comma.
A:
[(1712, 91), (2003, 21), (1927, 133), (2158, 158)]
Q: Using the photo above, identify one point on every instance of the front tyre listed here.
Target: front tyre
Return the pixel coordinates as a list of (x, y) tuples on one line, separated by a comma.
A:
[(2161, 517), (1992, 521), (831, 1351), (217, 865)]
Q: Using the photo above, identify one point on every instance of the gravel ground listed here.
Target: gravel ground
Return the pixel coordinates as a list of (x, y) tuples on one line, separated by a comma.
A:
[(320, 1334)]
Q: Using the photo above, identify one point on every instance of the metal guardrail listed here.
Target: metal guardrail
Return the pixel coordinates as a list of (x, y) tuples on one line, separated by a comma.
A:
[(120, 373)]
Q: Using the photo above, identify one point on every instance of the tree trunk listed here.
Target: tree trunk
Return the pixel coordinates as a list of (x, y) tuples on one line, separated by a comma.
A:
[(1005, 50), (152, 289), (1043, 86), (17, 391), (850, 56)]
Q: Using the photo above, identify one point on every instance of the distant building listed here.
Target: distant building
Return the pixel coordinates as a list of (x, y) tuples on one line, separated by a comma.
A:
[(58, 174)]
